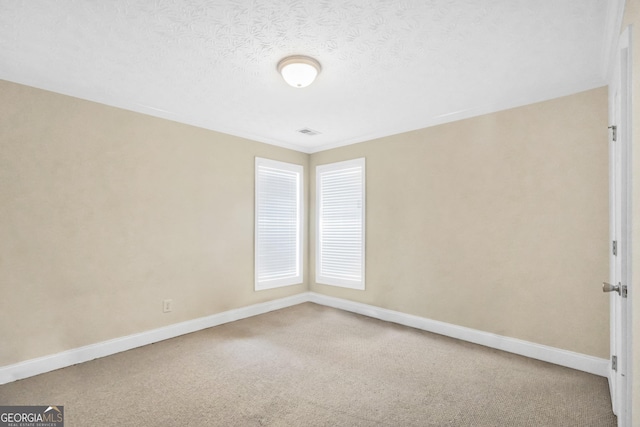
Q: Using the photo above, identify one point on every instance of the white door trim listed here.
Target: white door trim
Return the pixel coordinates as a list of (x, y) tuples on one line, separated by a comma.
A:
[(620, 226)]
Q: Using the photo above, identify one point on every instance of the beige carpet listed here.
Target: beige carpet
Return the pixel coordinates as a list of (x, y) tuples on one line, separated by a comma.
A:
[(310, 365)]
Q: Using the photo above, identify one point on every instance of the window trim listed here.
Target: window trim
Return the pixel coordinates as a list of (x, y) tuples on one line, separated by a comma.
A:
[(298, 278), (337, 281)]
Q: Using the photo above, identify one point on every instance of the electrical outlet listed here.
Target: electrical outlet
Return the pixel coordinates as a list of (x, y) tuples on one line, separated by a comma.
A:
[(167, 305)]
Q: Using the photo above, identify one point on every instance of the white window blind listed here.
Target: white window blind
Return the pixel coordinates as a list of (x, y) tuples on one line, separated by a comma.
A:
[(340, 226), (278, 232)]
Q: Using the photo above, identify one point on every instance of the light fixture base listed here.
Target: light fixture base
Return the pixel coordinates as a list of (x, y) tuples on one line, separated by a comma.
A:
[(298, 70)]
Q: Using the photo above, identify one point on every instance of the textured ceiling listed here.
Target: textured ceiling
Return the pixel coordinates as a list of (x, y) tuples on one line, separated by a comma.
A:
[(388, 66)]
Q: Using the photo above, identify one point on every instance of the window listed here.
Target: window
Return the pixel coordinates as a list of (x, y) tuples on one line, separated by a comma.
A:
[(278, 232), (340, 226)]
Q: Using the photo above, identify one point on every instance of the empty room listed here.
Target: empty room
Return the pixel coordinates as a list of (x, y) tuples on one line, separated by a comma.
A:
[(319, 213)]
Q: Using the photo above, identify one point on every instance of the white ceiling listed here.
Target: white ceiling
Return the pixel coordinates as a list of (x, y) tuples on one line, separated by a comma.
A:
[(388, 66)]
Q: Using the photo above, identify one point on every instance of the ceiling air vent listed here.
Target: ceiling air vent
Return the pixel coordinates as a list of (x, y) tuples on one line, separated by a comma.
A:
[(310, 132)]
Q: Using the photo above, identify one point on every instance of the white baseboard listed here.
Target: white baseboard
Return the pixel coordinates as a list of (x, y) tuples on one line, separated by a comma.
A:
[(569, 359), (52, 362)]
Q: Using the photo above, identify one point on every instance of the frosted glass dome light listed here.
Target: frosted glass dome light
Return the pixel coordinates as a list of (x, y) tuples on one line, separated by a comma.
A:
[(299, 71)]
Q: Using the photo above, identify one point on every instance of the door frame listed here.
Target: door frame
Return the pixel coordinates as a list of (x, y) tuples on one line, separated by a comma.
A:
[(620, 308)]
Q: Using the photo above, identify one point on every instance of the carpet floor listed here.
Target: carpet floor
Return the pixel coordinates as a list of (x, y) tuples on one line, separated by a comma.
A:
[(311, 365)]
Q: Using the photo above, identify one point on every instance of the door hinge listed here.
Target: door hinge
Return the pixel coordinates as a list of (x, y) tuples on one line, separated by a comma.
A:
[(623, 291), (614, 363), (614, 248), (614, 133)]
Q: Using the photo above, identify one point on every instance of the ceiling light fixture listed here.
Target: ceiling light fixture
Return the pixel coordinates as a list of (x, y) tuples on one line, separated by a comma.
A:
[(299, 71)]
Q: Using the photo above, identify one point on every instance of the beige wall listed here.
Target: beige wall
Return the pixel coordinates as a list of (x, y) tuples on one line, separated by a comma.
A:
[(497, 223), (632, 17), (104, 213)]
